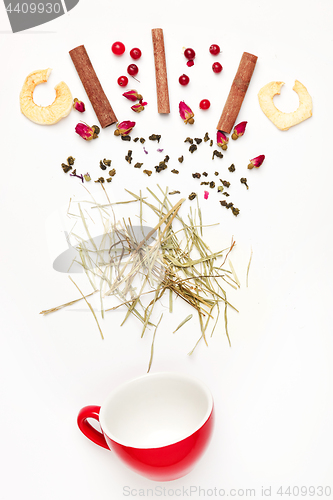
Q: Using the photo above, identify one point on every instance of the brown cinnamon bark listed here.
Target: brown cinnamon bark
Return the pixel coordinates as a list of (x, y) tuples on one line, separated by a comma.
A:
[(163, 105), (237, 93), (92, 86)]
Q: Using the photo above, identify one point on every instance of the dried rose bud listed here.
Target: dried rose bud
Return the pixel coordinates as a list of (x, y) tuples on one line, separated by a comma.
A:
[(222, 140), (87, 177), (87, 133), (132, 95), (79, 105), (256, 162), (186, 113), (124, 128), (206, 194), (239, 130), (139, 107)]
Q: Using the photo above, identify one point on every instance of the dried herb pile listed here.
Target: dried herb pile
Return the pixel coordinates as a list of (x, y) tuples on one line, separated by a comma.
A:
[(172, 259)]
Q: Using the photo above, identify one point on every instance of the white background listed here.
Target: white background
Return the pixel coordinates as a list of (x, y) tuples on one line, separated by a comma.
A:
[(273, 387)]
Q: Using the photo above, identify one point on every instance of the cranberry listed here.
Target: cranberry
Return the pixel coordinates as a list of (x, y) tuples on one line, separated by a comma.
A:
[(122, 81), (184, 80), (204, 104), (189, 54), (217, 67), (118, 48), (132, 69), (135, 53), (214, 49)]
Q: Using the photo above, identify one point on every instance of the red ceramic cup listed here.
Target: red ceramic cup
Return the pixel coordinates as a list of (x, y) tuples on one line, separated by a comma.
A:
[(158, 424)]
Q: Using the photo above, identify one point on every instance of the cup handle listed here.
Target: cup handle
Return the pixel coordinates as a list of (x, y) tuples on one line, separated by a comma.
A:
[(88, 430)]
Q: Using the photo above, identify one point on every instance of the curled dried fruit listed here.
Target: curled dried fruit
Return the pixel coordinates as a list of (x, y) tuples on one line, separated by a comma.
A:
[(284, 121), (45, 115)]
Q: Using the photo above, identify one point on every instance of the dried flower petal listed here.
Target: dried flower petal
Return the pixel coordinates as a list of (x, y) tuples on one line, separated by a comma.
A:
[(186, 113), (132, 95), (190, 63), (74, 174), (124, 128), (256, 162), (79, 105), (87, 133), (239, 130), (206, 194), (222, 140)]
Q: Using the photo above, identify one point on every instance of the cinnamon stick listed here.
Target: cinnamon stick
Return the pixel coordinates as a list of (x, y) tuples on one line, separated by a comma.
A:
[(237, 93), (92, 86), (163, 105)]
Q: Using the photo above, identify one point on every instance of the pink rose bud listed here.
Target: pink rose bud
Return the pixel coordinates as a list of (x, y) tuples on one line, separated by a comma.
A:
[(132, 95), (79, 105), (139, 107), (256, 162), (186, 113), (222, 140), (239, 130), (206, 194), (124, 128), (87, 133)]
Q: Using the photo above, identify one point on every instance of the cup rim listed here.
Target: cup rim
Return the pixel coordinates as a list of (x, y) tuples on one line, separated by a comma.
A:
[(198, 382)]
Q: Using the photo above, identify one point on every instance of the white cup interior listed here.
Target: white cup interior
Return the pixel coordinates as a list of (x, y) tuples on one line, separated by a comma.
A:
[(155, 410)]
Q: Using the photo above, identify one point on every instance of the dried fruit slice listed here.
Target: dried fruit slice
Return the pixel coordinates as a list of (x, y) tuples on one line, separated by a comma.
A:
[(281, 120), (45, 115)]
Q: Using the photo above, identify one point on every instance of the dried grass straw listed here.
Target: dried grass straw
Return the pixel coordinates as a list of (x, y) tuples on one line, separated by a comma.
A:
[(177, 261)]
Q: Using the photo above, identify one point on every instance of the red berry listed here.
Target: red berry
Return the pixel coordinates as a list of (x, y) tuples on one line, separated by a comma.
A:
[(189, 54), (135, 53), (122, 81), (184, 80), (217, 67), (204, 104), (214, 49), (132, 69), (118, 48)]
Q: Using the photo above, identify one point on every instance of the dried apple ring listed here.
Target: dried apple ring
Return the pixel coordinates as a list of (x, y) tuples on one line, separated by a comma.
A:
[(45, 115), (281, 120)]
